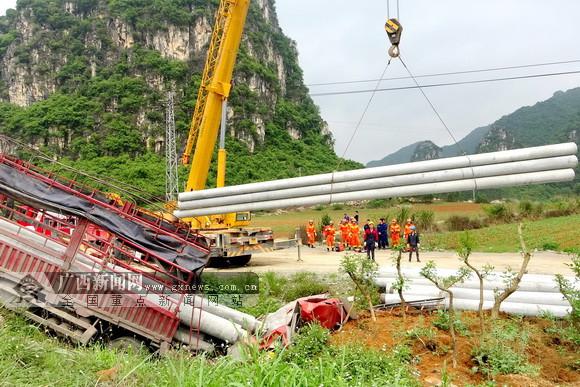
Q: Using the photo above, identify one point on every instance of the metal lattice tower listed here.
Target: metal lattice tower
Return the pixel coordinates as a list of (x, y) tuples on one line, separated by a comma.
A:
[(171, 177)]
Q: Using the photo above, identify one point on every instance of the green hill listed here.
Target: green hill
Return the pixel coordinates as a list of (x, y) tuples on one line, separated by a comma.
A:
[(87, 81), (552, 121)]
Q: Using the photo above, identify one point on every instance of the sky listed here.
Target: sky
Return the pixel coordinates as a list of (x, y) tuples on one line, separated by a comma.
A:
[(344, 40)]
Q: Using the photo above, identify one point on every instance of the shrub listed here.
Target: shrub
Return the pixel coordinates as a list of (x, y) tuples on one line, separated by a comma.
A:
[(461, 223), (551, 245), (303, 284), (403, 214), (337, 207), (319, 208), (503, 351), (500, 212), (425, 220), (311, 340), (442, 322), (378, 203), (325, 220), (570, 290)]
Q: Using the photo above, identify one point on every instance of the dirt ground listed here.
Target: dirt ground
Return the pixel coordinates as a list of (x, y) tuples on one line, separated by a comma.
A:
[(318, 260), (431, 356)]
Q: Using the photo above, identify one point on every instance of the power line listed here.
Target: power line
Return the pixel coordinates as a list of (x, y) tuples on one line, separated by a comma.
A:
[(362, 117), (448, 73), (544, 75)]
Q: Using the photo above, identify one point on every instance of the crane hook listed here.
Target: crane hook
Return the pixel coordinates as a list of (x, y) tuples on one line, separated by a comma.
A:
[(394, 29)]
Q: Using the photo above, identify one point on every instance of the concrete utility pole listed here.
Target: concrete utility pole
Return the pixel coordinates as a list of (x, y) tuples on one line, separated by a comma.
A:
[(171, 177)]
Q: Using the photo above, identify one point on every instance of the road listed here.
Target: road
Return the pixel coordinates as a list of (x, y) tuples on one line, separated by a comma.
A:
[(318, 260)]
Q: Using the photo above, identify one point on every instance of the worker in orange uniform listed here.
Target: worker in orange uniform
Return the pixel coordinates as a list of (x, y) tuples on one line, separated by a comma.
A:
[(395, 232), (329, 232), (311, 233), (355, 234), (344, 232), (408, 226)]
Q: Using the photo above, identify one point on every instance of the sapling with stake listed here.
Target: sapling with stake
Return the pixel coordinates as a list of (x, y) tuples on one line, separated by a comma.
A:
[(444, 284), (511, 279), (466, 245), (362, 271), (401, 282)]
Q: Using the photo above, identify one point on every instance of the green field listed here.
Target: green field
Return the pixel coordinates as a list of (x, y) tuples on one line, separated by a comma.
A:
[(562, 233), (559, 233), (285, 223)]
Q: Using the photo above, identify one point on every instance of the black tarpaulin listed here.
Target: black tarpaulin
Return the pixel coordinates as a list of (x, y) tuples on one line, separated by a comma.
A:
[(28, 190)]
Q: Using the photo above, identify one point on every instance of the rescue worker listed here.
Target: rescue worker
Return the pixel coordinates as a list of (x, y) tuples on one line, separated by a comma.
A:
[(395, 231), (366, 226), (408, 226), (355, 234), (371, 237), (329, 232), (383, 234), (413, 243), (311, 233), (344, 231)]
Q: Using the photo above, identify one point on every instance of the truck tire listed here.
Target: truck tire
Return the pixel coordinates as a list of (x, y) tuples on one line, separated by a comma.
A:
[(242, 260), (126, 344), (227, 262)]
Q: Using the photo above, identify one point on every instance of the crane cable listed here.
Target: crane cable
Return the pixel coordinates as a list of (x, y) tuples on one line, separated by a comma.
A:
[(447, 128), (389, 9), (364, 113)]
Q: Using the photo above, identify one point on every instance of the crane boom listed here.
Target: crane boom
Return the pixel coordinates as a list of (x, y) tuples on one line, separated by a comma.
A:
[(214, 89)]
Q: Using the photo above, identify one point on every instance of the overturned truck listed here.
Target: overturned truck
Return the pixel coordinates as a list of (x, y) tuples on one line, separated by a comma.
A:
[(86, 265)]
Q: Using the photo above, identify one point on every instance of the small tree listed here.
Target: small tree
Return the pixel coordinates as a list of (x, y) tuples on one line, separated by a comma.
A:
[(444, 284), (362, 271), (512, 280), (466, 245), (570, 290), (401, 282)]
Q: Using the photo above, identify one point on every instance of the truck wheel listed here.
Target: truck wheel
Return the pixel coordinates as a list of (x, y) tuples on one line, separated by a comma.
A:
[(126, 344), (242, 260)]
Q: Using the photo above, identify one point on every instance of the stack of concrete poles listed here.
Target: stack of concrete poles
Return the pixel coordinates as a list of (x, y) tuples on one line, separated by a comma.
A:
[(538, 165), (536, 293), (211, 319)]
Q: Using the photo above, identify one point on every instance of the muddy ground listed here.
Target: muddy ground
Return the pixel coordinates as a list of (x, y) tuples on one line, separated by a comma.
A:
[(555, 359)]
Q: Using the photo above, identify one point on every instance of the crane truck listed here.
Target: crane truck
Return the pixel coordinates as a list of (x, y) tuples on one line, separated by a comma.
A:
[(233, 241)]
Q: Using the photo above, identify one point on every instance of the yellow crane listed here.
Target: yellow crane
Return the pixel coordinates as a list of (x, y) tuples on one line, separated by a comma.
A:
[(232, 237)]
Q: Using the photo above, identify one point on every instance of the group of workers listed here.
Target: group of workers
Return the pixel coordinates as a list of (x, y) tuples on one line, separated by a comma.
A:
[(373, 237)]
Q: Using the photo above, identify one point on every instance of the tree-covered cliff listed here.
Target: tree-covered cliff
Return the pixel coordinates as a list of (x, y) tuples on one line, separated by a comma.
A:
[(87, 80)]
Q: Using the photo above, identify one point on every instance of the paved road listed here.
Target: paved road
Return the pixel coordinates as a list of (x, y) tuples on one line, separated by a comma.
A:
[(320, 261)]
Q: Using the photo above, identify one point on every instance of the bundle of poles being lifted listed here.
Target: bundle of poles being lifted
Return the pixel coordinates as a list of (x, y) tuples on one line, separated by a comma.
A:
[(519, 167)]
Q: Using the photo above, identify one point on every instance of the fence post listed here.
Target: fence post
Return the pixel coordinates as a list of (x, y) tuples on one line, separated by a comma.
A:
[(298, 243)]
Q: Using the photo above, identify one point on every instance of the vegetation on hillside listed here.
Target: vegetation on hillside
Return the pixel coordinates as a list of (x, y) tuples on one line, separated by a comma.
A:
[(108, 112)]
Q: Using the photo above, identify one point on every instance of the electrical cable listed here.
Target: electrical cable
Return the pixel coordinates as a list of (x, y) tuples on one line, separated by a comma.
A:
[(490, 69), (363, 115), (447, 128), (489, 80), (357, 126)]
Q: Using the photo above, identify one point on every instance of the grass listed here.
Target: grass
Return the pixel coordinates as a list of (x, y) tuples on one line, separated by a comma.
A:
[(503, 350), (285, 223), (563, 232), (29, 357), (559, 233)]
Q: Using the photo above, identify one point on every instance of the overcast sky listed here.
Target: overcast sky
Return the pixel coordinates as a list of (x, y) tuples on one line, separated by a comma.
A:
[(343, 40)]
